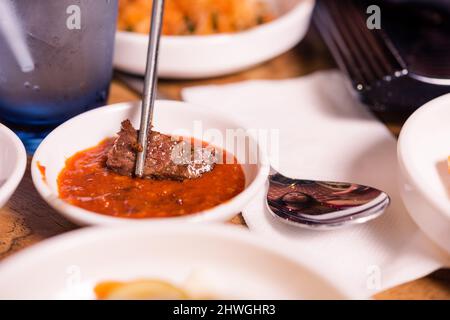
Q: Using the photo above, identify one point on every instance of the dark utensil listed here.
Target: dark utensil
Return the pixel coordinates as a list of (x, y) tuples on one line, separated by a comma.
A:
[(398, 68)]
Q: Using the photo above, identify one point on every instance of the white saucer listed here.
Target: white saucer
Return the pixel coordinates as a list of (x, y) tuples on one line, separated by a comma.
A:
[(423, 148), (171, 117), (214, 55), (226, 262), (13, 161)]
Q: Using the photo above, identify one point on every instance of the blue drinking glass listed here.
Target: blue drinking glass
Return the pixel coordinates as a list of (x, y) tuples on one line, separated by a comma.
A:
[(70, 43)]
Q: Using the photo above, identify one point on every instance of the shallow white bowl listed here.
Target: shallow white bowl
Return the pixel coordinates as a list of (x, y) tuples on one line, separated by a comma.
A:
[(228, 262), (215, 55), (171, 117), (13, 161), (423, 148)]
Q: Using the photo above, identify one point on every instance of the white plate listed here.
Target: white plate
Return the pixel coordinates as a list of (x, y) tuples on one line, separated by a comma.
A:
[(227, 262), (423, 148), (214, 55), (13, 161), (171, 117)]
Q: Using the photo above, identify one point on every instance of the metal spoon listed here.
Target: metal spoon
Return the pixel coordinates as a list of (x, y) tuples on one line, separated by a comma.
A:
[(149, 94), (323, 205)]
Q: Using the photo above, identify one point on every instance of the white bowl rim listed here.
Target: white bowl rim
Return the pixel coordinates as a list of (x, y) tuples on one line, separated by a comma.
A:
[(221, 37), (17, 173), (86, 217), (440, 205), (274, 246)]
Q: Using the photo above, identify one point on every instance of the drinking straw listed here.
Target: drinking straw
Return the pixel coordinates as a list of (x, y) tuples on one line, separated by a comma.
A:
[(12, 31)]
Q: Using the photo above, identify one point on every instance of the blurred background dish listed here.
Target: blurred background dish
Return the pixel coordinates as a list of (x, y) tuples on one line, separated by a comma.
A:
[(13, 160), (218, 261), (201, 56), (195, 17), (423, 150)]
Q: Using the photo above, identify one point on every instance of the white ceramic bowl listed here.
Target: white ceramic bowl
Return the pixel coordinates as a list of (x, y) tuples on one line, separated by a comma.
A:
[(423, 148), (215, 55), (226, 262), (171, 117), (13, 161)]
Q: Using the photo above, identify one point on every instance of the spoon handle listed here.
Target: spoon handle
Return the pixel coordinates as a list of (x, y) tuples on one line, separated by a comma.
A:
[(149, 94)]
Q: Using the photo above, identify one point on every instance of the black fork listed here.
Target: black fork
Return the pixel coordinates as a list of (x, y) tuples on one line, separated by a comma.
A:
[(366, 55), (386, 73)]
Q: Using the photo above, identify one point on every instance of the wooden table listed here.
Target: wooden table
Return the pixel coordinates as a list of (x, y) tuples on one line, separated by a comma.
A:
[(27, 219)]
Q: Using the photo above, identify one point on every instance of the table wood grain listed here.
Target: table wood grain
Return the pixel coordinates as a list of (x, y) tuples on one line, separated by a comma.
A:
[(27, 219)]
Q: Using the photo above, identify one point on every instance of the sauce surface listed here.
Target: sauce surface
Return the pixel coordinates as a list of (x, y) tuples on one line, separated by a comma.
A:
[(86, 182)]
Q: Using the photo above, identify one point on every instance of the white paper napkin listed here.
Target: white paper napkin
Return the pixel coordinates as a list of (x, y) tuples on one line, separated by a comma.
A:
[(326, 134)]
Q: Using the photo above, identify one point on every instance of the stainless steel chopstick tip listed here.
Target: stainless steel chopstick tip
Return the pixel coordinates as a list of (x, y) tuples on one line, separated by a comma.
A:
[(149, 94)]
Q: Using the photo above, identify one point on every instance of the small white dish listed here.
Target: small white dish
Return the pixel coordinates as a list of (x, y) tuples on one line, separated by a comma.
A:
[(13, 161), (225, 262), (214, 55), (171, 117), (423, 148)]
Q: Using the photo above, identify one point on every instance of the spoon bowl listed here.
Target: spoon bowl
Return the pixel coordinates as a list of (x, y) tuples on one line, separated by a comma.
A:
[(323, 205)]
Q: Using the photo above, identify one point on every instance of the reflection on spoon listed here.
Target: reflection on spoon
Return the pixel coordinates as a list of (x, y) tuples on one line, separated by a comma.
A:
[(323, 205)]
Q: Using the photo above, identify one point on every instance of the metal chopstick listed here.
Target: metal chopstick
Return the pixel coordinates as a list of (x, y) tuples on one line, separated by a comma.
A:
[(149, 94)]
